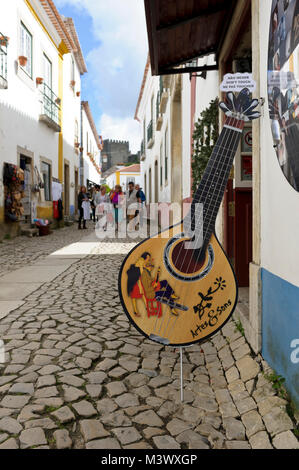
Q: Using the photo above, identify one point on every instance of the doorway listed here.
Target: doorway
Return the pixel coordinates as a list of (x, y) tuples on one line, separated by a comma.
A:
[(156, 183), (76, 190), (26, 166), (66, 189)]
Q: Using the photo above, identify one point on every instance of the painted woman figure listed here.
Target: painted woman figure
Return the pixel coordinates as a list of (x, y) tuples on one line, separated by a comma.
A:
[(134, 286)]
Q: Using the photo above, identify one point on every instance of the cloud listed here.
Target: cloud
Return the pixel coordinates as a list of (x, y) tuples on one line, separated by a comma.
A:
[(121, 129), (116, 59)]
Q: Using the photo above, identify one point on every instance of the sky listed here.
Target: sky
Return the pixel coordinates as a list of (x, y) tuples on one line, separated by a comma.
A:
[(113, 38)]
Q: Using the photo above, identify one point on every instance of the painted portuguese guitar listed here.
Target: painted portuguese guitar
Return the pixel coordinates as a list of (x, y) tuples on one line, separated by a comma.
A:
[(177, 293)]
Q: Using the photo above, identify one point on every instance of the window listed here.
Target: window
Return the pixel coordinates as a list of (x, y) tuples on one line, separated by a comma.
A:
[(26, 49), (47, 72), (166, 155), (152, 108), (46, 176)]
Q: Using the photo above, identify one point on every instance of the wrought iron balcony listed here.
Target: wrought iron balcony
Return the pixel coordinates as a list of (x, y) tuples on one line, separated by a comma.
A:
[(50, 113), (3, 61), (163, 96), (150, 135), (142, 151), (159, 117)]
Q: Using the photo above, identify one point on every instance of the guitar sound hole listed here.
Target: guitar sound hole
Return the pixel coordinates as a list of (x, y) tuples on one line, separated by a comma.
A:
[(187, 261)]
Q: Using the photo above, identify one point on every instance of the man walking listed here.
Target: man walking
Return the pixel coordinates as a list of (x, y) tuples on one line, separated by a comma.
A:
[(132, 201)]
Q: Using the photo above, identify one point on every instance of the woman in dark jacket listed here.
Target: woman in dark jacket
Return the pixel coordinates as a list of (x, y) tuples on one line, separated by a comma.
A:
[(81, 197)]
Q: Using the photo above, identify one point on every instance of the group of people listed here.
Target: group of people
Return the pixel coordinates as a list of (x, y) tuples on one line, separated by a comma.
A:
[(113, 205)]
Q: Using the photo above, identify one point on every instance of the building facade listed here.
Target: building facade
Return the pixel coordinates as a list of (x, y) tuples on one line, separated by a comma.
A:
[(40, 112), (90, 170)]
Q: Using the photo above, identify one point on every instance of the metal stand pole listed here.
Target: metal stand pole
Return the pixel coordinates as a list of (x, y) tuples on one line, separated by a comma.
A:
[(182, 385)]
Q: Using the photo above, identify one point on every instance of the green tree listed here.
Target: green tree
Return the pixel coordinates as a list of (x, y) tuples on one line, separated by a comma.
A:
[(205, 135)]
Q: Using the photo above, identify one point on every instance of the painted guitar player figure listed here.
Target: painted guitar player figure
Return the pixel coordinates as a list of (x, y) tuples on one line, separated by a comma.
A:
[(201, 277), (141, 285)]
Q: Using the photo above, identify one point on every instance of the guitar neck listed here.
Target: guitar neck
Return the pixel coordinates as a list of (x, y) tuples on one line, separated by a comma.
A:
[(214, 180)]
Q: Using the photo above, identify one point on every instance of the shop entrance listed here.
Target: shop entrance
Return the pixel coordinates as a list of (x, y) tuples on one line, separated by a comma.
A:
[(76, 190), (66, 189), (26, 166)]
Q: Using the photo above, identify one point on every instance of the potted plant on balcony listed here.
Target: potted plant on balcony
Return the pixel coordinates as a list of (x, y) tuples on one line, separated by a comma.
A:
[(58, 100), (78, 93), (4, 40), (73, 83), (22, 60), (77, 144), (39, 80), (81, 149)]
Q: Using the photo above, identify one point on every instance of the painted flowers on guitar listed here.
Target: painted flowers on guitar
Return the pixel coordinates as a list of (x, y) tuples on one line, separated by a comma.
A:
[(206, 299), (220, 283)]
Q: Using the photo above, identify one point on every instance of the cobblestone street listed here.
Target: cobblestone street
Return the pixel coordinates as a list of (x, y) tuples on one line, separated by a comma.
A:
[(77, 375)]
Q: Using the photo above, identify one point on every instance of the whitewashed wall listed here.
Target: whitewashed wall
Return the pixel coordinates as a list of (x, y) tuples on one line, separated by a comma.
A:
[(71, 113), (89, 170), (20, 104)]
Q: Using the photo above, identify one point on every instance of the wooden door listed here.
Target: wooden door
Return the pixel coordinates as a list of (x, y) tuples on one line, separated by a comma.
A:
[(66, 189), (243, 234)]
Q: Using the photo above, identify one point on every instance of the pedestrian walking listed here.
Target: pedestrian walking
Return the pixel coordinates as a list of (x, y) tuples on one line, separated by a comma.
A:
[(132, 205), (83, 206), (141, 197), (116, 198), (102, 202), (92, 203)]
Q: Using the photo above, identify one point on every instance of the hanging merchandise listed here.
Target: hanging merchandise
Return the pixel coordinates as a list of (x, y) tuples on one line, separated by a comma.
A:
[(13, 180), (38, 184)]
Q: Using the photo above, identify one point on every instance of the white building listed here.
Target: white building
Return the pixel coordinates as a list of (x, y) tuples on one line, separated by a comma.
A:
[(41, 65), (91, 146), (73, 68)]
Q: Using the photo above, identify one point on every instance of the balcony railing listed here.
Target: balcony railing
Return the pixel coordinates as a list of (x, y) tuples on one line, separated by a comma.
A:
[(3, 61), (150, 135), (159, 118), (50, 113)]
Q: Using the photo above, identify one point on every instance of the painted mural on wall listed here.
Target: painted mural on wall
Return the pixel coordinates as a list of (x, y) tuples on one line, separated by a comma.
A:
[(283, 85)]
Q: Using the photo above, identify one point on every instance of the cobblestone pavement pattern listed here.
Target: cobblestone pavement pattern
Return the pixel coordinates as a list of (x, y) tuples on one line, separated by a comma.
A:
[(77, 375)]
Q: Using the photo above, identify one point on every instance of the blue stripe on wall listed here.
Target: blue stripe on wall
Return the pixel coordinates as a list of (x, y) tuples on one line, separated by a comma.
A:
[(280, 329)]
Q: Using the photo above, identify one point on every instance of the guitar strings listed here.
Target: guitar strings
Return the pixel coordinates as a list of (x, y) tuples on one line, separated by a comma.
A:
[(227, 139), (232, 140)]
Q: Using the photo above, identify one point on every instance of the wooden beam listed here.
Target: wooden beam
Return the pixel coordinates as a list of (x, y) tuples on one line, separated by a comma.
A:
[(202, 68)]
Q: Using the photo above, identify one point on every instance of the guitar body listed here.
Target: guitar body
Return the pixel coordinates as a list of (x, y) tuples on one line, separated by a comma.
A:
[(189, 302)]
